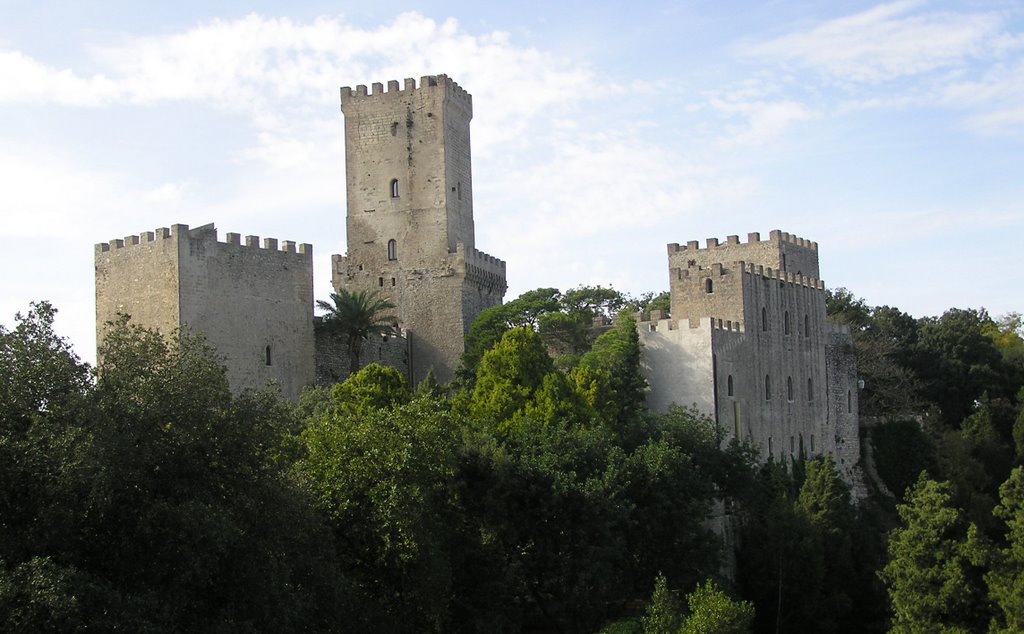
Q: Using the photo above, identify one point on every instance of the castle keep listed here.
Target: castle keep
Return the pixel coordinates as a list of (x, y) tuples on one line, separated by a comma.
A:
[(410, 215), (748, 344), (747, 341)]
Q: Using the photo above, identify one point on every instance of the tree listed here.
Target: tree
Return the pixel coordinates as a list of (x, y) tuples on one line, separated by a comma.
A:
[(1006, 579), (711, 610), (662, 615), (931, 576), (508, 377), (616, 354), (356, 316)]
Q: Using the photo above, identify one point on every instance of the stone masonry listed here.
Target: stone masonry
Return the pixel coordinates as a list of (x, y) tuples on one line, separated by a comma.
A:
[(253, 302), (410, 215), (749, 345)]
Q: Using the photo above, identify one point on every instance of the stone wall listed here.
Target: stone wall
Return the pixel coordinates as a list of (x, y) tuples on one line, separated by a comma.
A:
[(253, 302), (332, 358)]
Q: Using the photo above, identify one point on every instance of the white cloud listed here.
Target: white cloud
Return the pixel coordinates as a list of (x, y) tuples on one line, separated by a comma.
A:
[(888, 42), (26, 80)]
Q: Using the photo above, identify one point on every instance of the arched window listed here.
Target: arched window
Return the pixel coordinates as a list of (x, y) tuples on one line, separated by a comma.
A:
[(394, 188), (708, 286), (767, 388), (785, 322), (729, 384), (764, 319), (807, 325), (789, 388), (268, 357), (810, 389), (392, 249)]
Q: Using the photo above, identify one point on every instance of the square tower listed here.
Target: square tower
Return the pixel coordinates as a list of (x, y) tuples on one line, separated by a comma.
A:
[(409, 221), (253, 302)]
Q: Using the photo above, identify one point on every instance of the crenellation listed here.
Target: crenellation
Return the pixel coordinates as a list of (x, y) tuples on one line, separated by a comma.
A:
[(252, 242), (270, 244), (712, 242), (378, 88), (393, 85), (732, 239)]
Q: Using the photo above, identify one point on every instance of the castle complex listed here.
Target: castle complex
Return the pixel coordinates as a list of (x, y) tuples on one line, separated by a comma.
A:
[(747, 341)]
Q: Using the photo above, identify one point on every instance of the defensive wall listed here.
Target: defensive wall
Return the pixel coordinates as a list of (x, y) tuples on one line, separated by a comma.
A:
[(253, 302)]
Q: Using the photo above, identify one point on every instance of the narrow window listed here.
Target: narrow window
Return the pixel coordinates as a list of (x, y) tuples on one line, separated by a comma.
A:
[(270, 360), (458, 187), (767, 388), (392, 281), (708, 286), (812, 443), (394, 188), (783, 261), (792, 445), (729, 384), (810, 389), (789, 389), (785, 322), (394, 129), (392, 249), (764, 319), (807, 325), (736, 419), (770, 448), (380, 280), (849, 402)]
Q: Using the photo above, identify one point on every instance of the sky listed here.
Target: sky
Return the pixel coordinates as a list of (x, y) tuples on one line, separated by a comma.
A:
[(892, 134)]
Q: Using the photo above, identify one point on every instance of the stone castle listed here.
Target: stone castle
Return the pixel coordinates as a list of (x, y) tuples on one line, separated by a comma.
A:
[(747, 341)]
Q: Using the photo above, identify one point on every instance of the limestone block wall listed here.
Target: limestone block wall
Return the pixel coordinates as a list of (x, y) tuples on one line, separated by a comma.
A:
[(843, 407), (138, 276), (332, 359), (253, 302), (678, 365)]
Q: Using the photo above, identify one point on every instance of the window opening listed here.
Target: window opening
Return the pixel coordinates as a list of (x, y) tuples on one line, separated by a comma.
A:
[(792, 445), (810, 389), (764, 319), (789, 388), (785, 322), (380, 281), (767, 387), (849, 402), (394, 188), (392, 249), (708, 286), (807, 325), (392, 281), (729, 384), (812, 443), (736, 419), (770, 448), (458, 188), (270, 360)]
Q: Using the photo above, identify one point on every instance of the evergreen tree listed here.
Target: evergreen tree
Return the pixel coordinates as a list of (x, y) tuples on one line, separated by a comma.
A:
[(1006, 579), (356, 316), (931, 576)]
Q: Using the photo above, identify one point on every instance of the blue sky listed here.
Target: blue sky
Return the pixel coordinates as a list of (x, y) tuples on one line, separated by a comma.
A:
[(892, 134)]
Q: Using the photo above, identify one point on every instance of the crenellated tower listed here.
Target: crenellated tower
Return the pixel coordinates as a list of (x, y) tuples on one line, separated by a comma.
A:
[(409, 220)]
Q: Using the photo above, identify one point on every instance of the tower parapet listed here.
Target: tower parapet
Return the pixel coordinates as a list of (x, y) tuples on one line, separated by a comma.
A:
[(452, 90)]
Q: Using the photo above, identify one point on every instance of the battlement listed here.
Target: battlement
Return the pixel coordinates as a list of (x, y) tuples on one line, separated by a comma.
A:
[(427, 82), (754, 238), (480, 266), (206, 233), (757, 270), (658, 322)]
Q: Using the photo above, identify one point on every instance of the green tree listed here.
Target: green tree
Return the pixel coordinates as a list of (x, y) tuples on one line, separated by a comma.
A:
[(1006, 579), (372, 388), (492, 323), (384, 478), (509, 376), (356, 316), (931, 576), (615, 356), (662, 615), (711, 610)]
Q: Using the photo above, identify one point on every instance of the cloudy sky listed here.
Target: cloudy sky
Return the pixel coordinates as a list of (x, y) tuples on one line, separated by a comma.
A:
[(892, 134)]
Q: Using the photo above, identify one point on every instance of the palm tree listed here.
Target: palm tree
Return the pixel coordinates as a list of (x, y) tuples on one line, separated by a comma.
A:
[(356, 316)]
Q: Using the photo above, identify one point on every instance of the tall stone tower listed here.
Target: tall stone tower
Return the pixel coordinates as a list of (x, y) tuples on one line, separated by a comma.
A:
[(410, 215)]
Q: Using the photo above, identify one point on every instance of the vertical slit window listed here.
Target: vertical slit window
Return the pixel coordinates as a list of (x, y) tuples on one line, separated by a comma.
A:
[(785, 322), (764, 319), (269, 358), (394, 188), (708, 286), (767, 387), (789, 388), (849, 402), (392, 249), (810, 389), (807, 325), (728, 383)]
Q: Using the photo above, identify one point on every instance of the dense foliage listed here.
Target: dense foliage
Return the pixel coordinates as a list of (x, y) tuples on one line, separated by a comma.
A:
[(533, 494)]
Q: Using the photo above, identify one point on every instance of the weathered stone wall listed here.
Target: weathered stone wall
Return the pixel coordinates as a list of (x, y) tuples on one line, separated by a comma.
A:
[(253, 303), (754, 350), (410, 215), (332, 358), (138, 276)]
